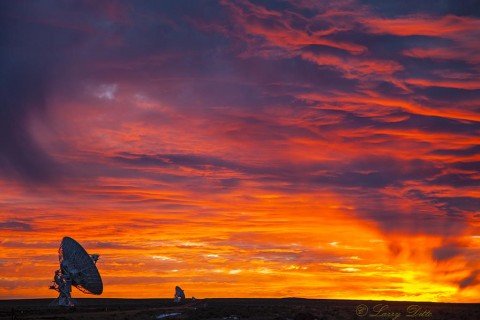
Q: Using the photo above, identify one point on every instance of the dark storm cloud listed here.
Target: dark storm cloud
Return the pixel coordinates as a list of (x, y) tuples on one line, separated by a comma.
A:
[(273, 172), (22, 85), (189, 160), (29, 56), (397, 215), (470, 280), (15, 225), (468, 166), (367, 173), (457, 180), (410, 122), (43, 41), (377, 172), (437, 125), (30, 245), (438, 7), (449, 95), (451, 206), (467, 152), (446, 252)]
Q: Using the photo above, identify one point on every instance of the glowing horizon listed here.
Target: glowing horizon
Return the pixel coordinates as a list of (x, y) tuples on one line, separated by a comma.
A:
[(243, 148)]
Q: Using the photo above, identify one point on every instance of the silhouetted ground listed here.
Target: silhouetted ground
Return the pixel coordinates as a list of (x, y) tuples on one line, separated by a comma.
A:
[(237, 309)]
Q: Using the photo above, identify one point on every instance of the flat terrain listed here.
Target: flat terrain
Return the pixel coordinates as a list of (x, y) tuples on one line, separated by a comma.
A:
[(236, 309)]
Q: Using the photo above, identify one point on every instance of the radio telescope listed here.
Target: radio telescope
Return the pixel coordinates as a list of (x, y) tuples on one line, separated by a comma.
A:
[(179, 295), (78, 269)]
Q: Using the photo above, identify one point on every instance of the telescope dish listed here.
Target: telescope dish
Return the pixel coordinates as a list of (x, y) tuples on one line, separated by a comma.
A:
[(78, 269)]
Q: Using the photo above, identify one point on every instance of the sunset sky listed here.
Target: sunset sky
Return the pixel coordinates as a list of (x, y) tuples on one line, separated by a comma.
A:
[(245, 148)]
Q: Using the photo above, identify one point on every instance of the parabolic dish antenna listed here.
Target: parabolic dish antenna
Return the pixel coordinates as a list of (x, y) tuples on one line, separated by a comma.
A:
[(78, 269)]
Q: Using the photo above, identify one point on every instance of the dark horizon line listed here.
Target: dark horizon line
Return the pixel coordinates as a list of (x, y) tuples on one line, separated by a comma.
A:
[(244, 298)]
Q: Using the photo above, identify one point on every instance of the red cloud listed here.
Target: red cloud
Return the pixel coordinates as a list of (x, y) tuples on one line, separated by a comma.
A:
[(278, 28), (468, 53), (354, 67), (446, 26)]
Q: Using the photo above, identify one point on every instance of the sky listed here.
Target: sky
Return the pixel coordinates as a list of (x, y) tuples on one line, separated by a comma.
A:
[(244, 148)]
